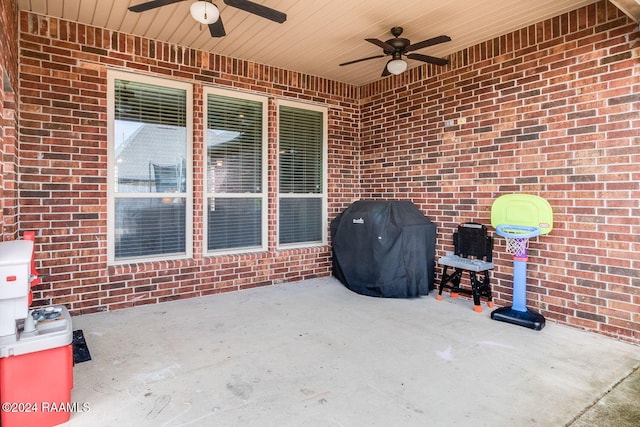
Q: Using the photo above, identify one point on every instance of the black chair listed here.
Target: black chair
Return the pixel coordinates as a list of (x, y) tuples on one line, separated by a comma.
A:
[(473, 250), (165, 178)]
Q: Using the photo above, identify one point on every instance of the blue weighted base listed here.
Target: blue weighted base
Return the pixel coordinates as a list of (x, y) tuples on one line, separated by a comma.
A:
[(528, 319)]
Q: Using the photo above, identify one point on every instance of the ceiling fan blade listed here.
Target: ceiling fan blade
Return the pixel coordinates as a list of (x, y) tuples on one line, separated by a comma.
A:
[(380, 43), (142, 7), (362, 59), (258, 9), (427, 58), (426, 43), (217, 28), (386, 71)]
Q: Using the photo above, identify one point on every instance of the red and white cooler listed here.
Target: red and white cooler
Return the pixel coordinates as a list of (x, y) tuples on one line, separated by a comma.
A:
[(36, 347)]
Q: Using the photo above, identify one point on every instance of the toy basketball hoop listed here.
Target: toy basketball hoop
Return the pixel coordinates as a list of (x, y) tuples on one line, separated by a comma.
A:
[(517, 218)]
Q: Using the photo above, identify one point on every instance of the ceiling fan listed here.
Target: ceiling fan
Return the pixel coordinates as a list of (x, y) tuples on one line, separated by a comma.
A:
[(398, 47), (206, 12)]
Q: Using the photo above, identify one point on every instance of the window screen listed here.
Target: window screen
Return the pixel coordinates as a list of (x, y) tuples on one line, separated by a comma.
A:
[(235, 188), (148, 169)]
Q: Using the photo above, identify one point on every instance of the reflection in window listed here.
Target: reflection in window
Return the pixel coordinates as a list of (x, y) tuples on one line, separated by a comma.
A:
[(148, 167)]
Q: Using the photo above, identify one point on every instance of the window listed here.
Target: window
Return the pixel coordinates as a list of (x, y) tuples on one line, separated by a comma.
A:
[(149, 159), (236, 208), (302, 174)]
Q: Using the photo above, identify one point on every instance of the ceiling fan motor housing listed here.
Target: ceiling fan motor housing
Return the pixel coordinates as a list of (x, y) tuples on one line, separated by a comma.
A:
[(399, 45)]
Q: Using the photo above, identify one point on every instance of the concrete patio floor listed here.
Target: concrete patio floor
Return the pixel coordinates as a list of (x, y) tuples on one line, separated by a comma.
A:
[(313, 353)]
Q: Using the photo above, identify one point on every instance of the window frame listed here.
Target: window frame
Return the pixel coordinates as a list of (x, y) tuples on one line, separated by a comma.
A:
[(325, 171), (112, 195), (263, 195)]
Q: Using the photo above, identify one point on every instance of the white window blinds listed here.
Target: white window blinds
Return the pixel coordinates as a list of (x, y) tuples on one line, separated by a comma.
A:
[(235, 139), (148, 168), (301, 169)]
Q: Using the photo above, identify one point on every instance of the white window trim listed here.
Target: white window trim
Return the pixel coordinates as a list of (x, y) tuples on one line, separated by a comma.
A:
[(113, 75), (325, 170), (265, 177)]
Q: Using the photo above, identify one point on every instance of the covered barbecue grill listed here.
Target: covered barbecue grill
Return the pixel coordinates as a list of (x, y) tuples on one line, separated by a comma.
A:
[(384, 248)]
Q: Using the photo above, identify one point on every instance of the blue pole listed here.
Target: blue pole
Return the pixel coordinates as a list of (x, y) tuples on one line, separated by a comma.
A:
[(519, 284)]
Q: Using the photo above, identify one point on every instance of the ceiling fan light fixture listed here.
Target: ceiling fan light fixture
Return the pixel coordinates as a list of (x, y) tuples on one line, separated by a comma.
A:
[(397, 66), (205, 12)]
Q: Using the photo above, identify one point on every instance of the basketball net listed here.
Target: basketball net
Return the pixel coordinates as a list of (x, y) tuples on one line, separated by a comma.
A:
[(517, 246)]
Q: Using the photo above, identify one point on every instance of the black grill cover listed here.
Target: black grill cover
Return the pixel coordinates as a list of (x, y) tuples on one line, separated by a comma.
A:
[(384, 249)]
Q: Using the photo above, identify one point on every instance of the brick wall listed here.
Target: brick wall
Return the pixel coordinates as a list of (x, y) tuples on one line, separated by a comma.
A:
[(9, 163), (553, 110), (8, 131), (63, 152), (9, 40)]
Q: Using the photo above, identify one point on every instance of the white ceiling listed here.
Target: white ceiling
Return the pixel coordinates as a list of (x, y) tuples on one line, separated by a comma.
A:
[(317, 35)]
